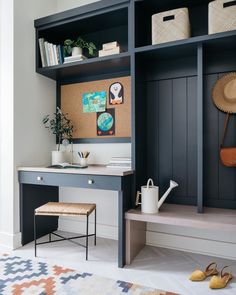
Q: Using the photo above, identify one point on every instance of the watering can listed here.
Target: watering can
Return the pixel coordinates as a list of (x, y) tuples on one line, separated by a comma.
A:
[(150, 197)]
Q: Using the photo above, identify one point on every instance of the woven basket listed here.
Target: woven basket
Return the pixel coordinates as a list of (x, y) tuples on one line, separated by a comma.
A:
[(170, 25), (222, 16)]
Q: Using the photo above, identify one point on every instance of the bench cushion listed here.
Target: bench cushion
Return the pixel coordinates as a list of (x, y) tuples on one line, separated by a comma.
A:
[(65, 209)]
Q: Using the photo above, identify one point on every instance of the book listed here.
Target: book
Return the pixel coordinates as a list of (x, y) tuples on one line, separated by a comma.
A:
[(56, 62), (102, 53), (74, 58), (67, 166), (110, 45), (120, 162), (47, 53), (42, 52)]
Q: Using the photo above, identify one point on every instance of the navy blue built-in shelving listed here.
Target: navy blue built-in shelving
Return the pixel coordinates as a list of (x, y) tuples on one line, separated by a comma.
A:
[(175, 126)]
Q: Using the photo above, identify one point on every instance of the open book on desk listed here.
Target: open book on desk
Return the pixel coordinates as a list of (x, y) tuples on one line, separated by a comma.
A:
[(67, 166)]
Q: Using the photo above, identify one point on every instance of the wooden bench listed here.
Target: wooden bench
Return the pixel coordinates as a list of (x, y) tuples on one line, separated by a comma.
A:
[(177, 215)]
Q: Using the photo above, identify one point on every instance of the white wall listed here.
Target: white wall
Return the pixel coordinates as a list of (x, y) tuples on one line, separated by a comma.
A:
[(6, 122), (25, 141)]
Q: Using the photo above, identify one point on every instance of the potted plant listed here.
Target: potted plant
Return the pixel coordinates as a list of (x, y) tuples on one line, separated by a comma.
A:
[(60, 125), (75, 47)]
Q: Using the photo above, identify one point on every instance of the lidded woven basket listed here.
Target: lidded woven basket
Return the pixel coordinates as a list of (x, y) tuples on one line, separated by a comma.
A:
[(222, 16), (170, 25)]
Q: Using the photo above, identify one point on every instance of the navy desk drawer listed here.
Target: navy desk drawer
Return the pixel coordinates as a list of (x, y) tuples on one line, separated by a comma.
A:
[(72, 180)]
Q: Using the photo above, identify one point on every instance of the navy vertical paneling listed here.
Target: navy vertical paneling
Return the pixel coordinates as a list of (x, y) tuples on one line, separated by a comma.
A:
[(211, 141), (227, 183), (192, 138), (165, 122), (179, 156), (152, 131)]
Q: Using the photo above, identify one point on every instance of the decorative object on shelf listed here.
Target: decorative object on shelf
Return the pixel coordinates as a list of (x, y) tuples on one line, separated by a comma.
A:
[(170, 25), (224, 97), (109, 49), (84, 158), (94, 102), (116, 93), (222, 16), (62, 127), (106, 122), (150, 197), (79, 44)]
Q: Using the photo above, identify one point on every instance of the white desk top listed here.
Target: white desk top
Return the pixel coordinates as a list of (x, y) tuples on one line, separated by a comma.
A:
[(93, 170)]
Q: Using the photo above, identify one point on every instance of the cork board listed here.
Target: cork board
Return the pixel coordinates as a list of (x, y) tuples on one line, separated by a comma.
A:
[(86, 123)]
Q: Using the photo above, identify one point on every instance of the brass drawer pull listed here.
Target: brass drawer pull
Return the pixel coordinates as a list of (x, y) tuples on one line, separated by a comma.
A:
[(90, 181), (39, 178)]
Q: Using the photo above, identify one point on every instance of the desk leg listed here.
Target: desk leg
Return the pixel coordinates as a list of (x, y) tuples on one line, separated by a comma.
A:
[(124, 203), (31, 197)]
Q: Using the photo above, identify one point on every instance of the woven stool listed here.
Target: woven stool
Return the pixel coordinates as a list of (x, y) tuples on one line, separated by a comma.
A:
[(66, 209)]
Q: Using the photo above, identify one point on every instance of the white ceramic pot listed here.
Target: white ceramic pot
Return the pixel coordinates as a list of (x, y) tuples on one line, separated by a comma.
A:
[(58, 157), (77, 51)]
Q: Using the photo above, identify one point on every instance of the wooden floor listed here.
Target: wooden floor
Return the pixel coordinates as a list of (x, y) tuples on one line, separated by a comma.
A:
[(155, 267)]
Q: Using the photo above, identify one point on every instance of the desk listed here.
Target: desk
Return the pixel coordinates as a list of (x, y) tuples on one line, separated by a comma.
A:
[(40, 185)]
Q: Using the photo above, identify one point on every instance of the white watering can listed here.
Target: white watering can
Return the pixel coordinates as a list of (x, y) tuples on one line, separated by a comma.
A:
[(150, 197)]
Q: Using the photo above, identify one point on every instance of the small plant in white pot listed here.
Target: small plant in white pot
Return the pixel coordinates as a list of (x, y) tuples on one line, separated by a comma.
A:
[(61, 126), (75, 47)]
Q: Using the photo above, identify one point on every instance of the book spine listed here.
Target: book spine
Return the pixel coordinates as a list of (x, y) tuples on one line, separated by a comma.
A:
[(42, 52), (55, 54), (50, 46), (47, 53), (58, 54)]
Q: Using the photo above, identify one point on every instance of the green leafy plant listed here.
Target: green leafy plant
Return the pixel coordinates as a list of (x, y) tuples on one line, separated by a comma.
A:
[(69, 44), (60, 125)]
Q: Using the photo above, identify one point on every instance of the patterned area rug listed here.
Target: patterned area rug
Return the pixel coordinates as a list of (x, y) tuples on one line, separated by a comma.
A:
[(21, 276)]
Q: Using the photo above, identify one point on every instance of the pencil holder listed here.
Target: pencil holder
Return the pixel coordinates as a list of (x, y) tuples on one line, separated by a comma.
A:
[(83, 162)]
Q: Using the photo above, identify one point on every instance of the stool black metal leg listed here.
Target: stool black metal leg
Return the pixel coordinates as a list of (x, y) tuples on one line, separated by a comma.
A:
[(35, 236), (95, 227), (87, 236)]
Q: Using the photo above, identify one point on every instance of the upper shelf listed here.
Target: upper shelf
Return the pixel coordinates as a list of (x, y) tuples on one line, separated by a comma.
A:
[(90, 67), (219, 41)]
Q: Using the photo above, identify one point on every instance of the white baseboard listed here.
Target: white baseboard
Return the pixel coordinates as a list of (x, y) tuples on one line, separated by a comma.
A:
[(192, 244), (10, 241), (78, 226)]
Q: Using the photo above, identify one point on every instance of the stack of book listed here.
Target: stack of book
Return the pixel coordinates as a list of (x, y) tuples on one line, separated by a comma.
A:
[(109, 49), (120, 162), (51, 54), (74, 58)]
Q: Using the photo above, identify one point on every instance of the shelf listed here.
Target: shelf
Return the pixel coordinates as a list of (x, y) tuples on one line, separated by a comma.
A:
[(225, 40), (181, 215), (91, 67)]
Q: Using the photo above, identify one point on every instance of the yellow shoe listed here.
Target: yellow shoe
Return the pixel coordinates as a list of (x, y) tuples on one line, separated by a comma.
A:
[(219, 282), (199, 275)]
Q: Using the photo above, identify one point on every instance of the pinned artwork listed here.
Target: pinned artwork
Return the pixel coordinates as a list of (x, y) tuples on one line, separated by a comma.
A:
[(106, 123), (94, 102), (116, 93)]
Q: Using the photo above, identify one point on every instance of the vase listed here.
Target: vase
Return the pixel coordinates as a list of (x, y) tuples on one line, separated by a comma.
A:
[(58, 157), (77, 51)]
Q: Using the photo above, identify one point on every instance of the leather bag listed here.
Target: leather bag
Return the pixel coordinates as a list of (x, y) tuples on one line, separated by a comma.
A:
[(227, 154)]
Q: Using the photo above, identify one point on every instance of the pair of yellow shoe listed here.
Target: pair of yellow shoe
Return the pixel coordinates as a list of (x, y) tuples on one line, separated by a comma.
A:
[(218, 281)]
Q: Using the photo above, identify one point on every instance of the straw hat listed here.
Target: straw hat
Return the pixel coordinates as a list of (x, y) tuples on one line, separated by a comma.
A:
[(224, 93)]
